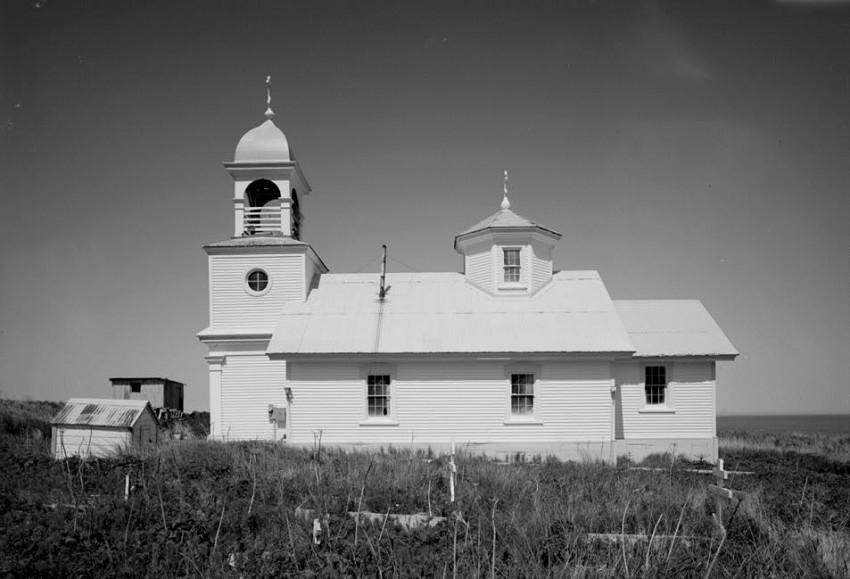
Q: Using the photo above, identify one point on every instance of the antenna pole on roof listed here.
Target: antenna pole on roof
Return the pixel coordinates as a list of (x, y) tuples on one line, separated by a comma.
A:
[(383, 290)]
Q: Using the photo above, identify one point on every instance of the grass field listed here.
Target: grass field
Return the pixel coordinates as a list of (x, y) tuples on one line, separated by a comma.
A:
[(205, 509)]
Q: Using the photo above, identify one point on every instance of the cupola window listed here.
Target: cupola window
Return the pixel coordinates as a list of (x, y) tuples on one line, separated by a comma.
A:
[(257, 281), (512, 265)]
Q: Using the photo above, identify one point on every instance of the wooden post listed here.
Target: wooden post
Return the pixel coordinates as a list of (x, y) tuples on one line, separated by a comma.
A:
[(452, 471), (720, 493)]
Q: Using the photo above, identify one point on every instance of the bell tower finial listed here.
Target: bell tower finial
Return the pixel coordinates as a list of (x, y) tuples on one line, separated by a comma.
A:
[(269, 111), (505, 203)]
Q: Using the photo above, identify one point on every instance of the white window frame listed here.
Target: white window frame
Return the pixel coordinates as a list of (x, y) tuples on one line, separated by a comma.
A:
[(246, 286), (522, 283), (379, 370), (534, 416), (506, 267), (667, 406)]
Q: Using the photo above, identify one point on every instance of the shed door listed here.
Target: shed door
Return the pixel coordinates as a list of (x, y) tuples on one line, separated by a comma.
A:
[(146, 436)]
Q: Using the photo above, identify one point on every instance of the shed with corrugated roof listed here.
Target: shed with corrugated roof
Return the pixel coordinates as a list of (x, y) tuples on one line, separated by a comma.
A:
[(98, 427)]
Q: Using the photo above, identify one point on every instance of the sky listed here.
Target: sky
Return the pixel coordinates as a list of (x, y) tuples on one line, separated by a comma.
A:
[(685, 150)]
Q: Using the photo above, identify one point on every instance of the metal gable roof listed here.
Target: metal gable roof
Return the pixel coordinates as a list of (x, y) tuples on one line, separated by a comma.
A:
[(101, 412), (442, 313), (662, 328)]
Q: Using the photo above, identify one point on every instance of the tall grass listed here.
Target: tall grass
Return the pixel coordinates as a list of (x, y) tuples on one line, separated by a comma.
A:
[(831, 446), (210, 509), (27, 418), (224, 510)]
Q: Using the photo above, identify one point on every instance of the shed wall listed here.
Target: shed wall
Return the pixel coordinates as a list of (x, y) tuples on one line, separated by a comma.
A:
[(88, 441), (173, 396), (145, 431), (153, 392)]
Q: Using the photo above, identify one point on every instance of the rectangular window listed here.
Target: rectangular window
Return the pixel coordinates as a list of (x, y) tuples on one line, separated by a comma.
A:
[(512, 265), (522, 394), (378, 396), (135, 387), (655, 384)]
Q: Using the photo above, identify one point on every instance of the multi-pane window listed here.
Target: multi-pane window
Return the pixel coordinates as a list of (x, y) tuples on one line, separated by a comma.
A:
[(512, 265), (655, 384), (522, 394), (257, 280), (378, 396)]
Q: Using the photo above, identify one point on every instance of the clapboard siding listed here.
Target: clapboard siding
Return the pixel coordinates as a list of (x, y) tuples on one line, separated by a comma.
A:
[(576, 400), (479, 269), (233, 307), (435, 402), (89, 441), (690, 398), (541, 266), (248, 385), (325, 398)]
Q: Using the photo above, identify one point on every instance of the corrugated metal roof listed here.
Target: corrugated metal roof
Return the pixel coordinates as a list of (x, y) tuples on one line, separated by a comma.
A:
[(673, 328), (442, 313), (101, 412), (505, 218)]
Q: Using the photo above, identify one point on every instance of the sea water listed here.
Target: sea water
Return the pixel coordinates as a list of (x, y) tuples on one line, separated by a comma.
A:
[(803, 423)]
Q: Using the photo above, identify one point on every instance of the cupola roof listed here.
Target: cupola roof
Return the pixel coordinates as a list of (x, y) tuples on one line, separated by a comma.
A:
[(263, 143), (506, 219), (266, 142)]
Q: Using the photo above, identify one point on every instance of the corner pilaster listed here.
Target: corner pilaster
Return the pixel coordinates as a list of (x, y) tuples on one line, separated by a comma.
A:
[(215, 363)]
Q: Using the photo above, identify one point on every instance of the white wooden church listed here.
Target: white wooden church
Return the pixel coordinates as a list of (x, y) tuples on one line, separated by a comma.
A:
[(506, 356)]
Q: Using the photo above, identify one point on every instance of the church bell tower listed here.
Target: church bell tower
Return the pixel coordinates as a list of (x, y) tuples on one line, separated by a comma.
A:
[(262, 266), (268, 182)]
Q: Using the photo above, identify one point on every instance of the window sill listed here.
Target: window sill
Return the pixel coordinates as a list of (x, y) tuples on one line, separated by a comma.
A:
[(512, 288), (658, 410), (379, 423), (523, 422)]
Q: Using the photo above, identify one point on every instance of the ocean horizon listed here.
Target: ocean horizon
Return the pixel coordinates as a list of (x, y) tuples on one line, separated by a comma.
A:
[(785, 423)]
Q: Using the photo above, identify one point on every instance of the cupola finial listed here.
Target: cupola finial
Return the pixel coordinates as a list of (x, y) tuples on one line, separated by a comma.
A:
[(269, 111), (505, 203)]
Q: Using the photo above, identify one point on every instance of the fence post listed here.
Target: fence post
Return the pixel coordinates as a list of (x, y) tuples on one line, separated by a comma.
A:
[(720, 493), (452, 471)]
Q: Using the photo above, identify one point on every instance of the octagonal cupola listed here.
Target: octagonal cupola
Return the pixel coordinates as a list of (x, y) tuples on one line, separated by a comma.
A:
[(507, 254), (268, 183)]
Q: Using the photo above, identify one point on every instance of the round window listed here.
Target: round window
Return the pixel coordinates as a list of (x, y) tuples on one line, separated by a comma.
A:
[(258, 281)]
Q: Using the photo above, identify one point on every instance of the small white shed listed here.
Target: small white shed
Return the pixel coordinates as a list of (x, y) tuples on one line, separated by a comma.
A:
[(100, 427)]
